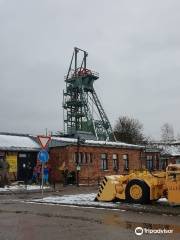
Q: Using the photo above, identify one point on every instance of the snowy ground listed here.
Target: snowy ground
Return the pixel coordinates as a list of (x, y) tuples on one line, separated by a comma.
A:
[(82, 200), (77, 199), (21, 187), (162, 200)]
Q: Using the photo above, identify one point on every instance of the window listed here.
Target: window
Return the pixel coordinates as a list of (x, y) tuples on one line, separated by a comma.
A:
[(22, 155), (78, 159), (91, 158), (115, 162), (126, 161), (81, 155), (163, 163), (178, 161), (149, 162), (75, 157), (104, 161), (86, 158)]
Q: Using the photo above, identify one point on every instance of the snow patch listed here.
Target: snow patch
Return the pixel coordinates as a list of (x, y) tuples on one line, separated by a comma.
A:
[(78, 199), (163, 200), (83, 200), (21, 187)]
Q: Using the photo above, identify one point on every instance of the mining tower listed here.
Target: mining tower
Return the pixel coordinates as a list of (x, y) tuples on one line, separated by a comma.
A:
[(83, 111)]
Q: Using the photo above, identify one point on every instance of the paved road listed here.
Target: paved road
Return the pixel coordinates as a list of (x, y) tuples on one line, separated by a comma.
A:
[(25, 221)]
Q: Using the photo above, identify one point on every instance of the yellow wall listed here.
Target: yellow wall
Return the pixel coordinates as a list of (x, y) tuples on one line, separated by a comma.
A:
[(12, 160)]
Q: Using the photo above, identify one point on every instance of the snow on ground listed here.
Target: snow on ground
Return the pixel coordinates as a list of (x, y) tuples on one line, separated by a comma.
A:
[(83, 200), (78, 199), (21, 187), (162, 200)]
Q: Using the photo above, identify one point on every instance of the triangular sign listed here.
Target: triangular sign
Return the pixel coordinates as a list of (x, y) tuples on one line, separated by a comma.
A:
[(44, 140)]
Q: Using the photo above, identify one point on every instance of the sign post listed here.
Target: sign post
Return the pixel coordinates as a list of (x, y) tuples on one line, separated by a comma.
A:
[(43, 157), (78, 168)]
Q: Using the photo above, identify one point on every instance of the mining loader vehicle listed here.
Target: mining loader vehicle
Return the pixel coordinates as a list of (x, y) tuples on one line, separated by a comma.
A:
[(142, 186)]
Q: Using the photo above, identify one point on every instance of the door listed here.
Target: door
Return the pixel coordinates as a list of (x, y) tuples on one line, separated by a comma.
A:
[(26, 163)]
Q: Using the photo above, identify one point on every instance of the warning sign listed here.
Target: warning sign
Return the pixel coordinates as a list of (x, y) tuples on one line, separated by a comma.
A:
[(44, 140)]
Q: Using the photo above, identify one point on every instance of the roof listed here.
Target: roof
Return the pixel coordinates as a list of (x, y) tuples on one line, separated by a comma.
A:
[(170, 143), (173, 151), (177, 142), (18, 143), (60, 141), (167, 149)]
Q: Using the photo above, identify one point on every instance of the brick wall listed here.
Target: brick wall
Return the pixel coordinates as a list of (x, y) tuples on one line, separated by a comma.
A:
[(91, 172)]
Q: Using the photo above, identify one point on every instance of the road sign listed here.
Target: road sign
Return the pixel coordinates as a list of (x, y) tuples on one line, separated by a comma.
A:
[(43, 156), (44, 140)]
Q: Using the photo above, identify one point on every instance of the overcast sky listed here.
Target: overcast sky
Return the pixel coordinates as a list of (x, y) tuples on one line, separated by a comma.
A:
[(133, 44)]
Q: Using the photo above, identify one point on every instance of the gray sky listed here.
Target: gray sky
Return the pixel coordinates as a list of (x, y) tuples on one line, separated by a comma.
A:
[(133, 44)]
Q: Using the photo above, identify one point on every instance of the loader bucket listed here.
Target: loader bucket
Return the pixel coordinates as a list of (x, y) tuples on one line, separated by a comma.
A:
[(107, 191)]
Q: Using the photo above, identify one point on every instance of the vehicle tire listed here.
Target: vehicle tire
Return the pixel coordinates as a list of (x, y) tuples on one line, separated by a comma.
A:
[(137, 191)]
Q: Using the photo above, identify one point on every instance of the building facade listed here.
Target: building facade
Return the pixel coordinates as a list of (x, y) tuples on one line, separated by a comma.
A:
[(20, 151), (151, 159), (96, 159), (169, 153)]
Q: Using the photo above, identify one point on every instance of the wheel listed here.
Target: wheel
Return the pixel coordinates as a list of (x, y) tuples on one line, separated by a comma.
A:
[(137, 191)]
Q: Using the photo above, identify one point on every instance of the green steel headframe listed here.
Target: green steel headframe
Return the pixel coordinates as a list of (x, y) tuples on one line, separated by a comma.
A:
[(83, 111)]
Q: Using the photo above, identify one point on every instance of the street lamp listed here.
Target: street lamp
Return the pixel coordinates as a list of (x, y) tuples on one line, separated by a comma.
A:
[(78, 168)]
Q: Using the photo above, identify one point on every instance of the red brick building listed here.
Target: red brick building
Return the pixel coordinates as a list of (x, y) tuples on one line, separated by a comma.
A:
[(169, 153), (151, 158), (95, 159)]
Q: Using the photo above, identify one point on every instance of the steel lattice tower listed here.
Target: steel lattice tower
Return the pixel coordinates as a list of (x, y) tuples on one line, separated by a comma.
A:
[(83, 111)]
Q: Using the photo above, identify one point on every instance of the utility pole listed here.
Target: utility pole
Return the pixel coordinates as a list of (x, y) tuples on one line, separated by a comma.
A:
[(78, 168)]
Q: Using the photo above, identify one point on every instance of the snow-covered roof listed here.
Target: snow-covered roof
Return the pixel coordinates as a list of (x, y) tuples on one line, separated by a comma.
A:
[(18, 143), (26, 143), (59, 141), (173, 151), (177, 142)]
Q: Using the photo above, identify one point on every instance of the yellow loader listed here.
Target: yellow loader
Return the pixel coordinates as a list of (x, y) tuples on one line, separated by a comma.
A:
[(142, 186)]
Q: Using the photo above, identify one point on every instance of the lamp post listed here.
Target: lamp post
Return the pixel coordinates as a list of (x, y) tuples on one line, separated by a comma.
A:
[(78, 168), (77, 162)]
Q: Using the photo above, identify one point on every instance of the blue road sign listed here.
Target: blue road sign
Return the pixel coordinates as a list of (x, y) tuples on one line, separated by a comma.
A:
[(43, 156)]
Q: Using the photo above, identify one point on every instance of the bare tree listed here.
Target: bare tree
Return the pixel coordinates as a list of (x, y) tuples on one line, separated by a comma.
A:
[(129, 130), (167, 133)]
